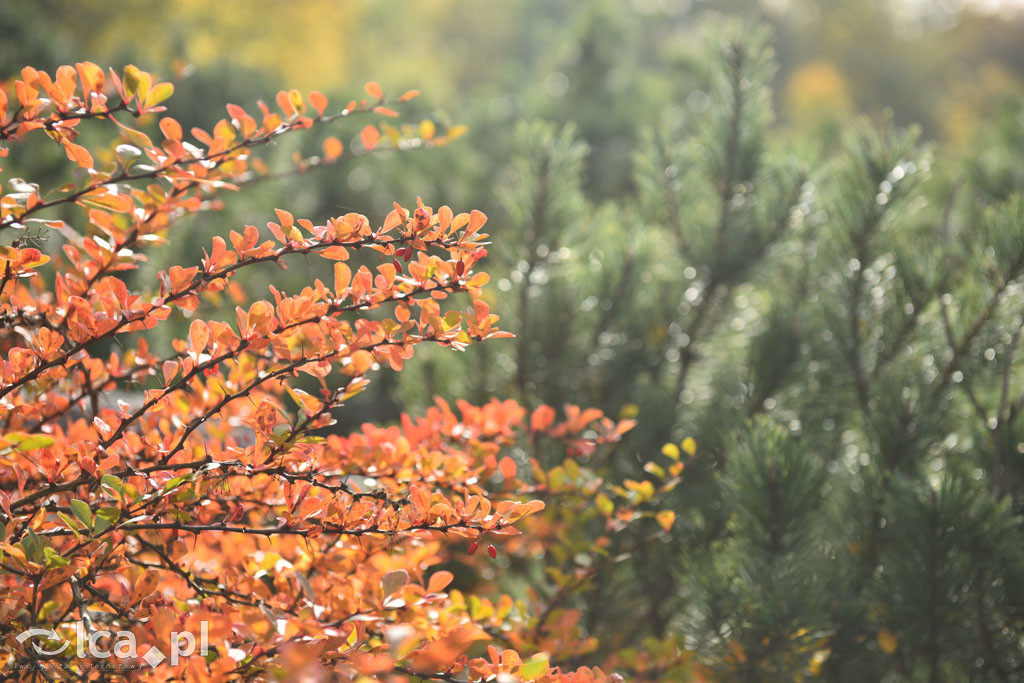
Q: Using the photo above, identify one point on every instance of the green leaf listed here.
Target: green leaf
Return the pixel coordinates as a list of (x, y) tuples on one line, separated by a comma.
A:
[(185, 496), (71, 524), (131, 80), (451, 319), (113, 483), (82, 511), (557, 478), (106, 518), (533, 669), (54, 559), (33, 546), (175, 483), (33, 441), (180, 515), (136, 137), (572, 469), (131, 493)]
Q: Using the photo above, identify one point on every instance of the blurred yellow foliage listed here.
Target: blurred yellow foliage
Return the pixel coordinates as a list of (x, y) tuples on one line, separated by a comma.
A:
[(324, 44), (817, 93), (307, 44), (971, 99), (887, 641)]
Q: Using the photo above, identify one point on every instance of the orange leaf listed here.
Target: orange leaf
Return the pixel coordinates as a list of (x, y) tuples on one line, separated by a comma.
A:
[(338, 253), (476, 220), (507, 467), (666, 518), (199, 335), (342, 276), (78, 154), (369, 137), (170, 370), (146, 584), (286, 218), (333, 148), (373, 90), (170, 128), (319, 101), (265, 418), (439, 581), (542, 418), (285, 104), (361, 362), (91, 76), (309, 404)]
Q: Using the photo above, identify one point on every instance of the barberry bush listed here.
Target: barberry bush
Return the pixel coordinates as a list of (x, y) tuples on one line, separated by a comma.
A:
[(167, 457)]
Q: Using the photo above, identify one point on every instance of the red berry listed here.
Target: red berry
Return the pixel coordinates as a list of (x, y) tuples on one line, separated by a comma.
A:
[(473, 546), (492, 551), (460, 268)]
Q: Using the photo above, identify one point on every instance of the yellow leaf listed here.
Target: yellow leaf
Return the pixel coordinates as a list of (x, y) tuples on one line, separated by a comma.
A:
[(666, 518), (145, 585), (887, 641), (690, 446), (670, 450), (159, 93), (817, 659), (457, 131), (427, 129)]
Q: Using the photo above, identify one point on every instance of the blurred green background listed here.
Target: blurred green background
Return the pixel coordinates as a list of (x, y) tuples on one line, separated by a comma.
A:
[(613, 67)]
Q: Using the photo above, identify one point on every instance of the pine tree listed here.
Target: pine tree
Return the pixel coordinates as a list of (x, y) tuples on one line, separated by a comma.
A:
[(836, 332)]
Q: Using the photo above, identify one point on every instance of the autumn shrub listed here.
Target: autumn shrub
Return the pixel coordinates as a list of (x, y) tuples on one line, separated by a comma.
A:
[(167, 464)]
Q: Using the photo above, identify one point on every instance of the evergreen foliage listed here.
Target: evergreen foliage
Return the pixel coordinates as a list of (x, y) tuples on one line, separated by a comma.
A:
[(837, 330)]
